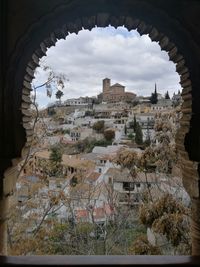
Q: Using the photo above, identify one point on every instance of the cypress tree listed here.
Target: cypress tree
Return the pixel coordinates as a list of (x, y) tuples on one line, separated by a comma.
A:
[(154, 96), (148, 135), (167, 95), (134, 124), (138, 135), (125, 129)]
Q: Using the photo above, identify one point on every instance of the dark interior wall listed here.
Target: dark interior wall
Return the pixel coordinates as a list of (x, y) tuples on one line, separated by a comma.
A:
[(21, 14), (26, 23)]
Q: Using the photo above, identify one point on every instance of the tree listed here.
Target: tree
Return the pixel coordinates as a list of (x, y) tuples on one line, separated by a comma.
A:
[(167, 95), (162, 152), (125, 129), (55, 168), (128, 160), (162, 212), (99, 126), (134, 124), (168, 217), (131, 137), (56, 154), (164, 142), (141, 246), (138, 135), (147, 141), (55, 79), (109, 135), (59, 94), (154, 97)]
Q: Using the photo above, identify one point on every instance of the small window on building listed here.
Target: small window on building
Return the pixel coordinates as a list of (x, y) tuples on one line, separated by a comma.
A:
[(128, 186), (148, 185), (136, 198), (74, 181), (110, 180)]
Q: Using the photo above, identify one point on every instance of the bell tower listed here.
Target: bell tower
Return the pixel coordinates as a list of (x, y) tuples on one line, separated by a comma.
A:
[(106, 85)]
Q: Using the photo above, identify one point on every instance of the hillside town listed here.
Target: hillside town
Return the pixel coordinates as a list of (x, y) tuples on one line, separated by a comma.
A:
[(95, 162)]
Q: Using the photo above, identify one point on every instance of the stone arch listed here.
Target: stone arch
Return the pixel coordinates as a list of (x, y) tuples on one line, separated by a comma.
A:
[(72, 17)]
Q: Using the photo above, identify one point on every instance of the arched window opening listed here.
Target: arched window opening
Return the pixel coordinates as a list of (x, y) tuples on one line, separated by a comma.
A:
[(93, 132)]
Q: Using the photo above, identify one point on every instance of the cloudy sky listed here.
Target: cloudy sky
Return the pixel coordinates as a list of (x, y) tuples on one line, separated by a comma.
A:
[(125, 57)]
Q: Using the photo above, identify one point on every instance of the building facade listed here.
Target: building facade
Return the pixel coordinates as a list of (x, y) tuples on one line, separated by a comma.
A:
[(115, 93)]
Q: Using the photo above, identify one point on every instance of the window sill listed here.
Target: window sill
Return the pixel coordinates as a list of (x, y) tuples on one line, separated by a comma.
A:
[(58, 260)]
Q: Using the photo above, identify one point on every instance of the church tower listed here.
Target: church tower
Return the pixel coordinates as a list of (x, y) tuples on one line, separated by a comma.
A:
[(106, 85)]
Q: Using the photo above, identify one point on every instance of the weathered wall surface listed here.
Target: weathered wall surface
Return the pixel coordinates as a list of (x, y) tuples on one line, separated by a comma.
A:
[(29, 27)]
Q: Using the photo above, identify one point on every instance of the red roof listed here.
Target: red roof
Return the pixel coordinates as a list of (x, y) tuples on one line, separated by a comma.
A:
[(98, 213), (82, 214), (93, 176)]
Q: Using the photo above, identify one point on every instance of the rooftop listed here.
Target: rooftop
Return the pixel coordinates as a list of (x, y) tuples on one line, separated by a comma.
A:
[(124, 176), (117, 85), (68, 160)]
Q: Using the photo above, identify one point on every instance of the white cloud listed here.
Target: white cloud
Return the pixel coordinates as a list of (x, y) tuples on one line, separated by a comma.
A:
[(125, 57)]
